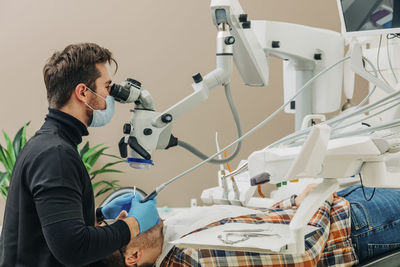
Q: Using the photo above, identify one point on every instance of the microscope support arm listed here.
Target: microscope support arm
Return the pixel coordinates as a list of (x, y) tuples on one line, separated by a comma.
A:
[(202, 86), (200, 94)]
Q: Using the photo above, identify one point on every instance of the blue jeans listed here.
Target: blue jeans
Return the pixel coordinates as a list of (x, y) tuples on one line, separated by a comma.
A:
[(375, 224)]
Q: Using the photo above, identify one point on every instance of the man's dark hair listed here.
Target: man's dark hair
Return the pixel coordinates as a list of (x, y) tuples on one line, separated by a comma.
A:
[(75, 64), (152, 238)]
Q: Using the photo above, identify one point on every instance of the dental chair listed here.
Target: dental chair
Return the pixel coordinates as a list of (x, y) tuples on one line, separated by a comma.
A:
[(388, 259)]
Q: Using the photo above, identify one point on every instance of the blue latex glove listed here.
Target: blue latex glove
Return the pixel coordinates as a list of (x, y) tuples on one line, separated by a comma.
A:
[(145, 213), (112, 209)]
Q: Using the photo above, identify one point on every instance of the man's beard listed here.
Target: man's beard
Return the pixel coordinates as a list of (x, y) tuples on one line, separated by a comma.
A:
[(89, 114), (89, 111)]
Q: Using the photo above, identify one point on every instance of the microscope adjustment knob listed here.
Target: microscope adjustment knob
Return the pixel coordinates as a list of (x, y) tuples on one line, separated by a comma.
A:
[(166, 118), (243, 18), (127, 128), (246, 25), (318, 56), (197, 78), (123, 148), (230, 40), (134, 82), (147, 131), (276, 44)]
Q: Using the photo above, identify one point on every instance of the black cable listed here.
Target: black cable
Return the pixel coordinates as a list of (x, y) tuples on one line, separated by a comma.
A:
[(362, 187)]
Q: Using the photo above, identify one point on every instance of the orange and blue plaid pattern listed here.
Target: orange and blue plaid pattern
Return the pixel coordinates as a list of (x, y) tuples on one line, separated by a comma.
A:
[(330, 245)]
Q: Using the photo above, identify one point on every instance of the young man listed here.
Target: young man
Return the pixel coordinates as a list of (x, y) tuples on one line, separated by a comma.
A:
[(49, 217)]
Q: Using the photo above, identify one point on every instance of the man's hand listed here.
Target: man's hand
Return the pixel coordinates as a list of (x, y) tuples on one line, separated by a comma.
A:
[(305, 193), (145, 213), (114, 208)]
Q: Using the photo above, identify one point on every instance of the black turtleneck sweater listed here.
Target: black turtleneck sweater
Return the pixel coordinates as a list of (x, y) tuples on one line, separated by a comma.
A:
[(49, 216)]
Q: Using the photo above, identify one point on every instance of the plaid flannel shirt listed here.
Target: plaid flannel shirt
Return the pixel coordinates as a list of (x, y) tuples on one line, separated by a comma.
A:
[(330, 245)]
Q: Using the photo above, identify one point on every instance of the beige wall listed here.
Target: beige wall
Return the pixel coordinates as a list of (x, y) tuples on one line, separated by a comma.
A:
[(160, 43)]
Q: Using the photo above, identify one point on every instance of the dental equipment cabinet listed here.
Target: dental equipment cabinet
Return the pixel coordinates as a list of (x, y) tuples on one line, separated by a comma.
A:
[(313, 76)]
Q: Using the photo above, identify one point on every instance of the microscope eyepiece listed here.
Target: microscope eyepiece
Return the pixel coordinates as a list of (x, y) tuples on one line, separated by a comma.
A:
[(125, 92), (119, 92)]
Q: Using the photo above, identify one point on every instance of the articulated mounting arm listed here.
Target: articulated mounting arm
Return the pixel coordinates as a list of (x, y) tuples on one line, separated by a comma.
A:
[(202, 86)]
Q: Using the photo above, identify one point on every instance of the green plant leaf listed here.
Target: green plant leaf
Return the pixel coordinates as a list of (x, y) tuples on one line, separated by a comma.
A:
[(101, 170), (88, 153), (96, 184), (112, 156), (10, 150), (17, 142), (3, 184), (113, 185), (4, 192), (87, 166), (92, 159), (23, 139), (97, 172), (5, 160), (84, 149), (3, 176), (87, 156), (112, 164), (102, 191), (95, 156), (90, 156), (106, 186)]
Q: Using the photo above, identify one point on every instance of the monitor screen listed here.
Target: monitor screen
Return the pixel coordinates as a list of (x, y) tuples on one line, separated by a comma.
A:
[(370, 15)]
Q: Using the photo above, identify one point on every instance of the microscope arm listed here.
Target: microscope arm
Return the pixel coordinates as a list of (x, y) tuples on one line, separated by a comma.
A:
[(202, 86), (201, 92)]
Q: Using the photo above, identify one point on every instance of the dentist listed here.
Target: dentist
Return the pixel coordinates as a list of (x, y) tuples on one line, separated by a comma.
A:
[(50, 214)]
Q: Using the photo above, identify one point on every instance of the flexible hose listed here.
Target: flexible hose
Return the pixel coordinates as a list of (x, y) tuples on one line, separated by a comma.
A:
[(235, 114), (258, 126)]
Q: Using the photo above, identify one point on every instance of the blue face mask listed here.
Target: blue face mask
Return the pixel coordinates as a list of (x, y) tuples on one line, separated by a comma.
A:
[(104, 116)]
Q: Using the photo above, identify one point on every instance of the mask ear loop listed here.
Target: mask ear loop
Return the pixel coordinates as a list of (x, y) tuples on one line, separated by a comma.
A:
[(89, 106), (93, 92)]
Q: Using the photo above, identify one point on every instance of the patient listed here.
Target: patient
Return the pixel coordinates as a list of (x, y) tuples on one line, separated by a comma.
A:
[(350, 229), (141, 251)]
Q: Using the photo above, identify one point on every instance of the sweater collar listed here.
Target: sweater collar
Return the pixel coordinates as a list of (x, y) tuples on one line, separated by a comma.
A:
[(73, 128)]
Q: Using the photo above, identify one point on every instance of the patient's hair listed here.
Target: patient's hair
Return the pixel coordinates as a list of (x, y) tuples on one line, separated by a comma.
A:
[(152, 238), (75, 64)]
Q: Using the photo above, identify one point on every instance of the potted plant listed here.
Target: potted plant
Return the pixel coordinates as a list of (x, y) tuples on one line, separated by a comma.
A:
[(89, 156)]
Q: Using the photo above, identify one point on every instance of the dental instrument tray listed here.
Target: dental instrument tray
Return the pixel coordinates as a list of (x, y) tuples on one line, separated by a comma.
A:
[(261, 238)]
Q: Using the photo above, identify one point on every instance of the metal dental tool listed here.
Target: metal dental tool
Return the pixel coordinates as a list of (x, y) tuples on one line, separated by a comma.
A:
[(221, 173), (243, 235)]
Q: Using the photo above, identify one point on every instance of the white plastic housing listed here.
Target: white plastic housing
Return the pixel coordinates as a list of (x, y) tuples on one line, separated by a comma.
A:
[(344, 157), (247, 53), (299, 44)]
